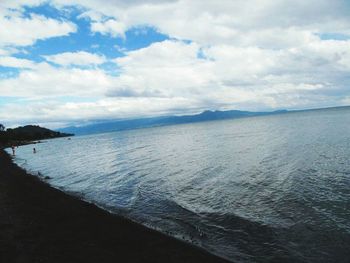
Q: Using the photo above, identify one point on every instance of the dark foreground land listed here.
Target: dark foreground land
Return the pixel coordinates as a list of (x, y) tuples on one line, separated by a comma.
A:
[(41, 224)]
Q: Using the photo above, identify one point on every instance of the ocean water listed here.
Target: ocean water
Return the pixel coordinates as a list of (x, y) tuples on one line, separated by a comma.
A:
[(261, 189)]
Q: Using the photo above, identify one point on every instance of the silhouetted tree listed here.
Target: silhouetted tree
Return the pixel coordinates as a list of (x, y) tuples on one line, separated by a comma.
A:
[(2, 127)]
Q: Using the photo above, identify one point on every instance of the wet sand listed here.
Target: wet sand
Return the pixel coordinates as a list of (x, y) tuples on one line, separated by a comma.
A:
[(41, 224)]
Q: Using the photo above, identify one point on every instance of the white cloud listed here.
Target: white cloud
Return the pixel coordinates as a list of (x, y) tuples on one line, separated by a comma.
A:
[(251, 77), (111, 27), (240, 22), (16, 62), (15, 4), (80, 58), (45, 81), (19, 31), (165, 69)]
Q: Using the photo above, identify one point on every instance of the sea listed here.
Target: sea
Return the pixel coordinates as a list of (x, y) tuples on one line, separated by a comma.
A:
[(259, 189)]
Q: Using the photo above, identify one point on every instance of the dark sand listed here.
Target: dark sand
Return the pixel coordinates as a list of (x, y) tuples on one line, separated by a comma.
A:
[(41, 224)]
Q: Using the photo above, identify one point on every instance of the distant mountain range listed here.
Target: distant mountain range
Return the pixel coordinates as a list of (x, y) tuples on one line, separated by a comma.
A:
[(119, 125)]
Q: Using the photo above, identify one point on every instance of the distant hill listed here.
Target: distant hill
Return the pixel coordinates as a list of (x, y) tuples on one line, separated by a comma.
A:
[(29, 133), (117, 125)]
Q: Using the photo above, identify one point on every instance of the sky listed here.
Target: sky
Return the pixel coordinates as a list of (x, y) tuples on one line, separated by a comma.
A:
[(79, 61)]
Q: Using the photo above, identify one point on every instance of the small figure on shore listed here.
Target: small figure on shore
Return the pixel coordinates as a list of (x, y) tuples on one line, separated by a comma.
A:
[(34, 150), (13, 150)]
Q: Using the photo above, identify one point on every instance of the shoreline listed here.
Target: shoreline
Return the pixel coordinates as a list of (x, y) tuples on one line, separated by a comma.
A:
[(39, 223)]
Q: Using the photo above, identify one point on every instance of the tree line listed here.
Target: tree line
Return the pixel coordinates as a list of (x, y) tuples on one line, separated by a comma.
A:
[(27, 133)]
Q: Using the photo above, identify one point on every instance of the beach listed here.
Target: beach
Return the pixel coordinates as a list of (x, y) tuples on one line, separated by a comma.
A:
[(41, 224)]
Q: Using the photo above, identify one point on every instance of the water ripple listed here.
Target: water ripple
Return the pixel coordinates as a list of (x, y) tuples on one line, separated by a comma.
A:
[(267, 189)]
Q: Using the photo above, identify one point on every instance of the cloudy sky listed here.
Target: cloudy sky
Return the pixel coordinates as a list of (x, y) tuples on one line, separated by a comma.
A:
[(76, 61)]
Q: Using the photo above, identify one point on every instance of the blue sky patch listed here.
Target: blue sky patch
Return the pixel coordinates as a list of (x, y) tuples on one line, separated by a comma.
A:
[(84, 39), (333, 36)]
